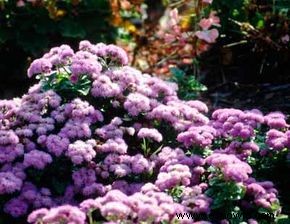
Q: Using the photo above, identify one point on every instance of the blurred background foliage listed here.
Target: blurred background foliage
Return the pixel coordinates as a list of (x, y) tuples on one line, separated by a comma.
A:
[(247, 66), (28, 28), (247, 63), (255, 38)]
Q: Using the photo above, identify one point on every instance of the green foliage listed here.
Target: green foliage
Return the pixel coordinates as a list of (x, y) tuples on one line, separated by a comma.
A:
[(238, 17), (189, 86), (35, 28), (176, 193), (60, 82), (282, 219), (224, 192)]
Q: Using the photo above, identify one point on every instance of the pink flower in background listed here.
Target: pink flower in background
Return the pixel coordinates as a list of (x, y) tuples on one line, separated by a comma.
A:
[(285, 39), (20, 3), (212, 20), (173, 18), (208, 36), (207, 1), (169, 38)]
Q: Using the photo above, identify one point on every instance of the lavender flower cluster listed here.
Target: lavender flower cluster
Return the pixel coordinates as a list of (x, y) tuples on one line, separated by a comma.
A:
[(96, 141)]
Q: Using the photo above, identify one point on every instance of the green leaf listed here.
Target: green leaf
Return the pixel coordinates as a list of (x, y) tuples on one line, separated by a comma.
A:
[(282, 219), (177, 73), (84, 91)]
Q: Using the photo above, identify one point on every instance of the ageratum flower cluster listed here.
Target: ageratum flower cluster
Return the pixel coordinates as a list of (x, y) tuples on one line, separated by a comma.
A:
[(126, 150)]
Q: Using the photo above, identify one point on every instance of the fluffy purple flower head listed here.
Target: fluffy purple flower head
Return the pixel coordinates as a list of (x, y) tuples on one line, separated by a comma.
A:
[(9, 183), (39, 66), (63, 214), (16, 207), (137, 103), (150, 133), (80, 151), (276, 120), (37, 159)]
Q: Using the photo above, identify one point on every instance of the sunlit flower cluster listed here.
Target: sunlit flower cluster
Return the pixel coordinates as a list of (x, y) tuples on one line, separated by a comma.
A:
[(128, 148)]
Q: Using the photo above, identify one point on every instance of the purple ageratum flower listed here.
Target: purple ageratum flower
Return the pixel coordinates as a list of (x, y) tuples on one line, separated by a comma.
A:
[(16, 207), (9, 183), (232, 168), (240, 150), (176, 174), (276, 139), (114, 195), (37, 215), (164, 112), (287, 133), (139, 164), (202, 136), (117, 145), (263, 192), (252, 221), (8, 138), (120, 170), (39, 66), (236, 123), (125, 77), (276, 120), (10, 153), (251, 146), (99, 49), (37, 159), (85, 63), (81, 151), (155, 87), (64, 214), (137, 103), (89, 205), (83, 177), (237, 172), (168, 154), (127, 188), (255, 189), (197, 203), (116, 54), (59, 56), (104, 87), (94, 189), (65, 53), (189, 113), (44, 198), (115, 211), (150, 133), (220, 160), (8, 110), (241, 130), (111, 130), (85, 45), (79, 109), (148, 212), (200, 106), (17, 169), (56, 144)]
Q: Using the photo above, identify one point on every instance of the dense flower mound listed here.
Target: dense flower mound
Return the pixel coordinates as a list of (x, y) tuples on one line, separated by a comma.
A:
[(96, 140)]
